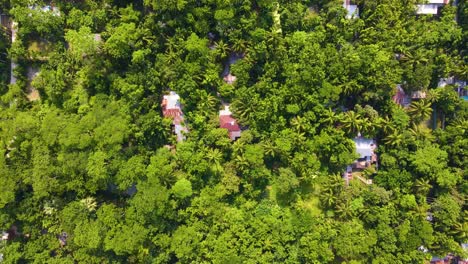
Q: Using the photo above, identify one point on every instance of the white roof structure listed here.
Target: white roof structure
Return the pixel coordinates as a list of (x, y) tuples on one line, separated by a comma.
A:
[(364, 146), (173, 109), (437, 1), (55, 11), (431, 8), (173, 100), (4, 236), (225, 111), (353, 10)]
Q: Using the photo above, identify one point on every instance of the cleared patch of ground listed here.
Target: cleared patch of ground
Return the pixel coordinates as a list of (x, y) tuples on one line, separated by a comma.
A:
[(32, 93)]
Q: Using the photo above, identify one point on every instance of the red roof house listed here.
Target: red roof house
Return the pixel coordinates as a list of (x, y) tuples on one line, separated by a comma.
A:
[(228, 122), (172, 109)]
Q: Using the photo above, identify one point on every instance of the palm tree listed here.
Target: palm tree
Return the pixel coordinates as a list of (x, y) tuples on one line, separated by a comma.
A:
[(352, 122), (171, 56), (171, 44), (328, 198), (350, 87), (328, 117), (434, 95), (222, 49), (460, 123), (414, 58), (385, 124), (269, 148), (344, 209), (422, 186), (241, 162), (239, 45), (214, 156), (420, 110), (367, 126), (207, 102), (273, 38), (243, 109), (89, 203), (395, 138), (299, 123), (210, 77), (238, 147), (421, 133), (460, 230), (420, 210), (364, 212)]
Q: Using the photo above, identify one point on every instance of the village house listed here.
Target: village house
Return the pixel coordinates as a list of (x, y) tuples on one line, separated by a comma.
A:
[(47, 8), (365, 147), (403, 99), (353, 10), (5, 236), (431, 7), (417, 95), (171, 108), (458, 85), (400, 97), (228, 122), (450, 258)]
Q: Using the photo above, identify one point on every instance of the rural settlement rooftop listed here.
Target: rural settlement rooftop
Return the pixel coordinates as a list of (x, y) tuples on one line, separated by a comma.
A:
[(172, 109), (353, 10), (365, 147), (431, 7), (228, 122)]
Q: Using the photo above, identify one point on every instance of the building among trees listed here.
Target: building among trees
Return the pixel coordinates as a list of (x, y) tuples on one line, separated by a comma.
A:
[(365, 147), (228, 122), (172, 109), (431, 7), (353, 10)]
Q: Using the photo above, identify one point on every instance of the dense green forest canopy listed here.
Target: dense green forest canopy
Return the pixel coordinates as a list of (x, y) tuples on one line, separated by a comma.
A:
[(91, 172)]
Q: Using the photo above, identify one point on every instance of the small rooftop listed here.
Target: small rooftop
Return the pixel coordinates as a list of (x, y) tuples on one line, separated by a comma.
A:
[(230, 79), (228, 122), (353, 10), (172, 108), (47, 8), (171, 101), (431, 7), (225, 111), (418, 95), (365, 147)]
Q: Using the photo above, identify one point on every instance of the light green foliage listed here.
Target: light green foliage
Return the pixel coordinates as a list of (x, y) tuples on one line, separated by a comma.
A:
[(447, 210), (88, 235), (94, 158), (7, 189), (120, 44), (81, 43), (182, 189), (431, 162), (125, 239), (286, 181), (96, 170)]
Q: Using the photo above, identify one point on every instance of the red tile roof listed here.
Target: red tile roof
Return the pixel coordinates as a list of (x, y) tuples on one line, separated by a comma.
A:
[(229, 123), (171, 112)]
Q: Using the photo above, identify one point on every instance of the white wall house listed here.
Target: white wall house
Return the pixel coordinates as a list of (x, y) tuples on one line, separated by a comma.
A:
[(353, 10), (431, 7)]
